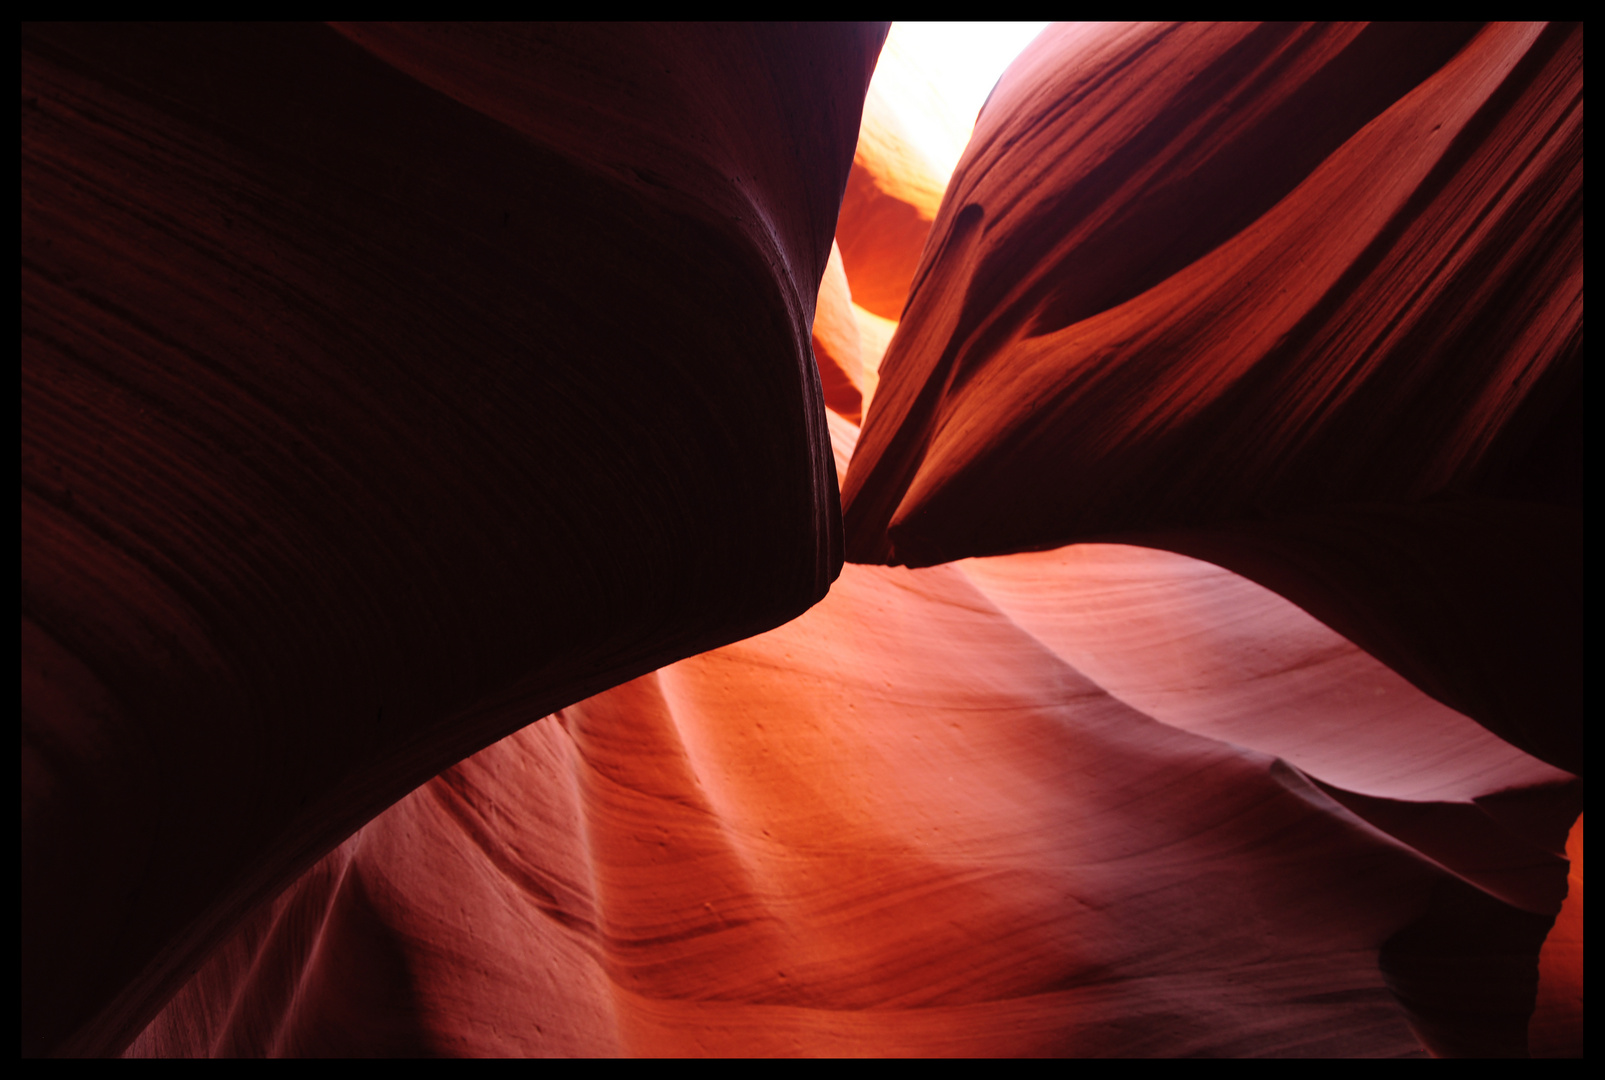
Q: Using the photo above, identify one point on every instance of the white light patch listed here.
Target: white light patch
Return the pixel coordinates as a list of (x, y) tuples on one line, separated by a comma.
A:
[(936, 75)]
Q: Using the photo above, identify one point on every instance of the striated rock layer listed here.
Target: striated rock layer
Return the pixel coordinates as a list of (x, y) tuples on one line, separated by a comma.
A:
[(905, 823), (1294, 769), (1303, 301), (896, 825), (370, 379), (1362, 314)]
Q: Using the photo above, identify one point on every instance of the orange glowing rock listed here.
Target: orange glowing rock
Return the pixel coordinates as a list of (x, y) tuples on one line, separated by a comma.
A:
[(836, 342), (874, 336), (431, 449), (1159, 292), (897, 825), (895, 187), (1228, 291)]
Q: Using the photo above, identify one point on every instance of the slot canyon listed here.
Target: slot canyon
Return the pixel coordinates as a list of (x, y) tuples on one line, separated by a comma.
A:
[(656, 540)]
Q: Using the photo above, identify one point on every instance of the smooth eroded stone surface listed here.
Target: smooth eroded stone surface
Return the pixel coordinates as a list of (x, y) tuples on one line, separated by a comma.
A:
[(1305, 302), (1479, 602), (1200, 648), (1133, 313), (896, 184), (836, 342), (370, 379), (899, 824), (388, 390)]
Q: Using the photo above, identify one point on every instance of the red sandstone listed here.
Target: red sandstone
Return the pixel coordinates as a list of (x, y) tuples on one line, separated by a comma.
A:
[(431, 444)]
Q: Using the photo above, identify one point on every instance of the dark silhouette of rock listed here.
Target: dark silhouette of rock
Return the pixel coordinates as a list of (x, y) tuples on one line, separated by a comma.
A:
[(370, 378)]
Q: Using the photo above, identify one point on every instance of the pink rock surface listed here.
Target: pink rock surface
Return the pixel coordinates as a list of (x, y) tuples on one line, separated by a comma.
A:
[(425, 436), (1197, 647), (896, 825), (1353, 354)]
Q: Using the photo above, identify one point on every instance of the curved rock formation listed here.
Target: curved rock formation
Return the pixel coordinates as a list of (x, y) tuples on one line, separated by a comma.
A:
[(838, 346), (895, 188), (1305, 302), (1295, 259), (397, 393), (371, 379), (897, 825), (1227, 290)]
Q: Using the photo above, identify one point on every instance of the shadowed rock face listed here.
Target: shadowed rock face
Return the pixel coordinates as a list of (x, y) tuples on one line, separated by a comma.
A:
[(369, 379), (389, 390)]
